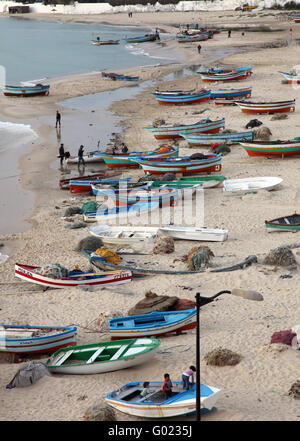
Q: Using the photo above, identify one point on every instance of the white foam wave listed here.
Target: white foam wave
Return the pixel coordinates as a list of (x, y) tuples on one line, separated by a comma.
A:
[(15, 135)]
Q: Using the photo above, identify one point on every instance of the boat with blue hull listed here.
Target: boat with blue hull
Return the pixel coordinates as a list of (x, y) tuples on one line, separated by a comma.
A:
[(231, 93), (180, 97), (106, 214), (171, 132), (125, 197), (85, 186), (28, 91), (155, 323), (155, 404), (218, 70), (141, 39), (118, 77), (224, 138)]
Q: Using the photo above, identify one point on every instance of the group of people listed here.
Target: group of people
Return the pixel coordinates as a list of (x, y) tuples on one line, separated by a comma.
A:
[(167, 383), (62, 154)]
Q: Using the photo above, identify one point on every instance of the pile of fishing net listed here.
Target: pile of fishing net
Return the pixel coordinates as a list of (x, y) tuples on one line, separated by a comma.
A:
[(295, 390), (109, 255), (53, 270), (71, 211), (29, 374), (281, 256), (199, 258), (222, 357), (90, 243), (163, 245), (89, 206), (100, 412)]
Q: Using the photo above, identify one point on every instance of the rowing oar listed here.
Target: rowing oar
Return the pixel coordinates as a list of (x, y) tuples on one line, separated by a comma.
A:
[(245, 294)]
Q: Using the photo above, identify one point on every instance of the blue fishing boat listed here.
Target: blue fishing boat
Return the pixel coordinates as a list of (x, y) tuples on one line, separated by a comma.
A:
[(124, 197), (84, 186), (141, 39), (155, 323), (155, 404), (223, 138), (105, 214), (219, 70), (231, 93), (114, 77), (34, 90), (180, 97), (171, 132), (197, 37)]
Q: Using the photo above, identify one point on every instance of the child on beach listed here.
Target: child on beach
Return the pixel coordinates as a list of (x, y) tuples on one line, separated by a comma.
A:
[(146, 389), (167, 386), (186, 377)]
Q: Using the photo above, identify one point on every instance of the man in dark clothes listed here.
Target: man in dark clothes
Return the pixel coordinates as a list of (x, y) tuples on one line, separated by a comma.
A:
[(124, 148), (229, 34), (199, 48), (57, 118), (61, 154), (80, 155)]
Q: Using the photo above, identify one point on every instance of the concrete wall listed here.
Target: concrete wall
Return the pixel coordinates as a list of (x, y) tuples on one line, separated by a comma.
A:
[(102, 8)]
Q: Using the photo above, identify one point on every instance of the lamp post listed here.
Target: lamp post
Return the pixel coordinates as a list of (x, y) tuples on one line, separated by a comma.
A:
[(198, 400)]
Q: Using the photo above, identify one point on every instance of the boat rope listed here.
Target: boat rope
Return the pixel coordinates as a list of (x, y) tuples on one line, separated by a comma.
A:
[(169, 350), (248, 261)]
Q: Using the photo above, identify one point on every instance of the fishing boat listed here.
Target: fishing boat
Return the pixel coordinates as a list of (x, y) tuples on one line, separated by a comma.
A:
[(176, 131), (127, 399), (104, 42), (286, 223), (267, 107), (200, 96), (224, 138), (127, 159), (107, 356), (65, 183), (292, 78), (125, 197), (120, 77), (240, 186), (183, 165), (74, 278), (194, 233), (218, 70), (25, 339), (207, 181), (85, 186), (153, 324), (179, 185), (141, 39), (120, 213), (89, 157), (34, 90), (124, 234), (226, 76), (272, 148), (230, 94), (190, 38), (97, 188)]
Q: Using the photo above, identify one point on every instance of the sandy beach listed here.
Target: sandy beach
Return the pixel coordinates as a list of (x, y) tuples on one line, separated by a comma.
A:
[(257, 388)]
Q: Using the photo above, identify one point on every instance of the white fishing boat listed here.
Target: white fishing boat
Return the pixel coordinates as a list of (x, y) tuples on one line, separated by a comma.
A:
[(107, 356), (124, 235), (244, 185), (194, 233)]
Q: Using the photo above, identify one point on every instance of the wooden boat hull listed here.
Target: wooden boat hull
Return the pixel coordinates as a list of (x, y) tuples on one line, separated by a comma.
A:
[(132, 352), (17, 339), (292, 79), (260, 108), (240, 186), (153, 324), (103, 43), (28, 273), (143, 39), (127, 160), (236, 76), (123, 198), (177, 131), (287, 223), (23, 91), (183, 166), (224, 138), (231, 93), (207, 181), (201, 234), (124, 235), (166, 100), (65, 183), (120, 212), (88, 158), (85, 186), (114, 77), (272, 149)]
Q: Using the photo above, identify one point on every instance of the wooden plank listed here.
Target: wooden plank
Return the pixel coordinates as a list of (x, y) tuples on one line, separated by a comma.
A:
[(62, 359), (95, 355), (119, 353)]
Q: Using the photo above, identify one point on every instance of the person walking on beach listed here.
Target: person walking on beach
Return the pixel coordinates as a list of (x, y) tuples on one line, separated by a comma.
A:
[(229, 33), (80, 155), (186, 377), (61, 152), (58, 117), (199, 48), (167, 386)]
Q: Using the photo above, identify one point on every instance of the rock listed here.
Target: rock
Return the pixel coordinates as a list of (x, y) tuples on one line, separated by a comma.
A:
[(152, 302), (223, 149), (263, 132), (76, 225), (89, 243), (100, 412), (158, 122), (253, 123), (71, 211), (163, 245), (279, 116)]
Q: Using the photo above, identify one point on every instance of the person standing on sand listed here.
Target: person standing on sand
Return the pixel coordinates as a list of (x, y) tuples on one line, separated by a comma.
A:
[(80, 155), (229, 33), (58, 117), (61, 152), (199, 48)]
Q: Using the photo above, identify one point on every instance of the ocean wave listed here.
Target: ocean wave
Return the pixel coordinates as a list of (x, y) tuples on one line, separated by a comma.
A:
[(15, 135)]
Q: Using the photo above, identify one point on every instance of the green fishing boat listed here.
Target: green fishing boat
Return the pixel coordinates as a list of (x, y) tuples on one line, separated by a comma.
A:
[(208, 181), (287, 223)]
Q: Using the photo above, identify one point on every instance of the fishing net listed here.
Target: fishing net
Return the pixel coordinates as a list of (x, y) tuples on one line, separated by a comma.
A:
[(222, 357), (295, 390), (53, 270), (282, 256), (89, 206), (28, 375), (109, 255), (163, 245), (89, 243), (100, 412), (71, 211), (199, 257)]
